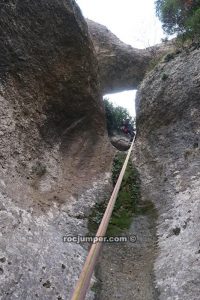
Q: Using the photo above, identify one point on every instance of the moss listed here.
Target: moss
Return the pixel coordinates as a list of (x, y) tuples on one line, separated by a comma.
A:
[(146, 208), (126, 203)]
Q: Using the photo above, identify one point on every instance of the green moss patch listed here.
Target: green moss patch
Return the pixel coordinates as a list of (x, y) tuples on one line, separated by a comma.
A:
[(127, 202)]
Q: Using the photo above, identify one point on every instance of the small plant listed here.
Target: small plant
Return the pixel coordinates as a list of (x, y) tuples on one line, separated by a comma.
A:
[(164, 77), (169, 57), (164, 40), (39, 169)]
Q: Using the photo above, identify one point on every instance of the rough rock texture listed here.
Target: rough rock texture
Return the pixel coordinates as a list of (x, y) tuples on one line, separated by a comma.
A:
[(120, 142), (122, 67), (125, 269), (55, 156), (168, 157), (53, 145)]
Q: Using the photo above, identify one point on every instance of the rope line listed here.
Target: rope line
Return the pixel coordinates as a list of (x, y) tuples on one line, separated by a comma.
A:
[(88, 268)]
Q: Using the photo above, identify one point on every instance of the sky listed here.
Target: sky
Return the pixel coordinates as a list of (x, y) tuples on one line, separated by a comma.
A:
[(134, 22)]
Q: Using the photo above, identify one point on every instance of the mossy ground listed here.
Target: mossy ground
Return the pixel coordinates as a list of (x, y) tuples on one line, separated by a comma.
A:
[(127, 202), (128, 206)]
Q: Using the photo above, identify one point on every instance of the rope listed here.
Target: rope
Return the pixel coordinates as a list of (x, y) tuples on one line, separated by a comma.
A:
[(88, 268)]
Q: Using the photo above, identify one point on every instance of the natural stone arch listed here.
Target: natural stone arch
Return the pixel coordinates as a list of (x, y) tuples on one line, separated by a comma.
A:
[(121, 66)]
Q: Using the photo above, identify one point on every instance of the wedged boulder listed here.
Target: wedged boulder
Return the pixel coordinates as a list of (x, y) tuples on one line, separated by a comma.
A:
[(120, 142)]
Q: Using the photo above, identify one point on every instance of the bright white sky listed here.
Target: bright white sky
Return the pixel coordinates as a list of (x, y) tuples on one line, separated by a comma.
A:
[(133, 21)]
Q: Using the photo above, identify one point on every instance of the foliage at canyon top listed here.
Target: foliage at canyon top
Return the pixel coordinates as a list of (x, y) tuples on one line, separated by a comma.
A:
[(180, 17), (115, 117)]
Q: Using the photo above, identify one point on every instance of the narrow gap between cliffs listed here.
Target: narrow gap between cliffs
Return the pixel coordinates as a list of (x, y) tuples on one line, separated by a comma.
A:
[(125, 269), (120, 118)]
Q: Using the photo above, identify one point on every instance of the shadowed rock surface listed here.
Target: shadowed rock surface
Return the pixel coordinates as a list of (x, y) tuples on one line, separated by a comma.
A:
[(54, 153), (168, 157), (122, 67)]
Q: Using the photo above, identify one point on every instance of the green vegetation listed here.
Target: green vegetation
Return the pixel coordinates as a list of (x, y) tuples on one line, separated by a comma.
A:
[(164, 76), (115, 117), (169, 57), (180, 17), (127, 201)]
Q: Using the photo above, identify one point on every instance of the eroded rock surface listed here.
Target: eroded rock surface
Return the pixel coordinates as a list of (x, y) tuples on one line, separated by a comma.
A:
[(121, 66), (55, 156), (54, 149), (168, 157), (125, 269)]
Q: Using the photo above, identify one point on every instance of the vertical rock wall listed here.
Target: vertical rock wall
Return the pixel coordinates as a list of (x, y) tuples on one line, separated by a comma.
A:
[(168, 157), (54, 151)]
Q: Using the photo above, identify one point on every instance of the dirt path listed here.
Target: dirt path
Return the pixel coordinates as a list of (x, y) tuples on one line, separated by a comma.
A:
[(125, 270)]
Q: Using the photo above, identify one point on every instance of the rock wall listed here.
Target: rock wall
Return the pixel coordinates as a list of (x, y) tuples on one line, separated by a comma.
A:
[(55, 156), (168, 156), (54, 150)]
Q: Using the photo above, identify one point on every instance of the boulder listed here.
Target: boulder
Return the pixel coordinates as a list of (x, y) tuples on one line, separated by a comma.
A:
[(120, 142)]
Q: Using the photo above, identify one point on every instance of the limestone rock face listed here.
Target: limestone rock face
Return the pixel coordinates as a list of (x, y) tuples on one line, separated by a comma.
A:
[(55, 157), (122, 67), (168, 157), (54, 151)]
